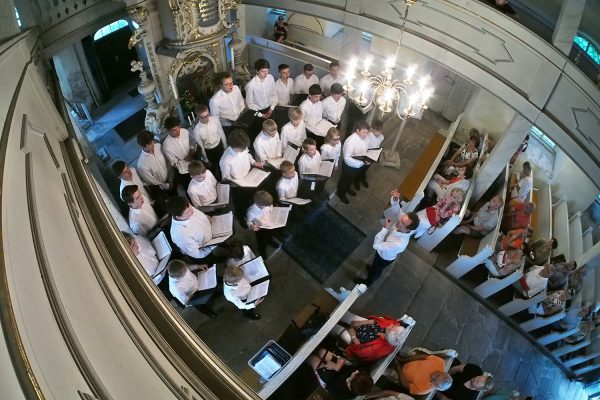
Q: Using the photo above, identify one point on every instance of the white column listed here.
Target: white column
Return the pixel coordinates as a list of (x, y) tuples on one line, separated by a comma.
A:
[(567, 24)]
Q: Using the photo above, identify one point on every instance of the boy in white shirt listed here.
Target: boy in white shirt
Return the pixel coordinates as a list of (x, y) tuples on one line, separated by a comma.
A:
[(310, 161), (332, 146), (178, 149), (259, 214), (210, 137), (304, 81), (332, 77), (142, 217), (333, 106), (294, 131), (128, 176), (284, 86), (376, 135), (202, 190), (238, 254), (354, 170), (260, 91), (267, 145), (152, 166), (312, 107), (236, 289), (287, 186), (146, 254), (236, 161), (184, 286), (227, 104)]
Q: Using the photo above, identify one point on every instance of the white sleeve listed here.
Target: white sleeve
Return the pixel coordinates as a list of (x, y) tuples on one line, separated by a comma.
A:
[(349, 160), (221, 133), (214, 107), (250, 96)]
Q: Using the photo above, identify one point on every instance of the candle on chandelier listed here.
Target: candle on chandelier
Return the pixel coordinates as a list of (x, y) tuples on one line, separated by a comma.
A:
[(189, 120), (193, 116), (367, 64), (173, 87), (232, 59), (410, 71)]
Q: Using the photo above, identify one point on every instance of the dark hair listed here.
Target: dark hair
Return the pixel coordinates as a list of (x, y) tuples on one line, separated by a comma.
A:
[(225, 75), (238, 139), (171, 122), (414, 218), (554, 242), (468, 172), (145, 137), (308, 142), (315, 89), (235, 249), (361, 124), (377, 125), (334, 63), (118, 167), (176, 206), (128, 192), (308, 67), (282, 67), (362, 383), (201, 108), (475, 139), (337, 88), (261, 63)]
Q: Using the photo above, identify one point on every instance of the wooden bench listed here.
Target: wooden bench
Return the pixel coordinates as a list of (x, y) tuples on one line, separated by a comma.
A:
[(494, 284), (556, 336), (541, 220), (569, 348), (581, 359), (560, 228), (519, 303), (588, 240), (539, 321), (575, 237)]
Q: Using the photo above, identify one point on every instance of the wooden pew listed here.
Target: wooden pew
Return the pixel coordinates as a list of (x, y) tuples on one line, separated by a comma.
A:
[(518, 303), (575, 237), (538, 321), (541, 220), (588, 241), (494, 284), (560, 228), (569, 348), (556, 336)]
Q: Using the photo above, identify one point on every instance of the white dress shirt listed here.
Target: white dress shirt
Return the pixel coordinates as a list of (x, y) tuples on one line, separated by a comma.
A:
[(142, 219), (203, 193), (328, 80), (235, 165), (227, 106), (178, 148), (313, 112), (287, 188), (355, 146), (261, 94), (284, 91), (147, 257), (185, 287), (525, 184), (255, 215), (329, 152), (210, 134), (332, 110), (192, 233), (248, 255), (390, 243), (267, 147), (152, 168), (301, 84), (294, 134), (309, 165), (238, 293), (135, 180), (374, 141)]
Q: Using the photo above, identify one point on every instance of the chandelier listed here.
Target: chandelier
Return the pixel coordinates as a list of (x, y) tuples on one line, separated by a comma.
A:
[(383, 91)]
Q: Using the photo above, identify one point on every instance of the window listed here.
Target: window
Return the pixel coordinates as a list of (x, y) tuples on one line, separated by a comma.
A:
[(587, 47), (367, 36), (542, 138), (277, 11), (115, 26), (18, 17)]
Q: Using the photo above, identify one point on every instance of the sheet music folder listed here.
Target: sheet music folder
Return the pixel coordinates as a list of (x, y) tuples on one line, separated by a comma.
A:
[(269, 360)]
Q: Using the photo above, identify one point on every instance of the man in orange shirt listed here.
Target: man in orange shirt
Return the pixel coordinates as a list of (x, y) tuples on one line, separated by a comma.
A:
[(422, 374), (519, 216)]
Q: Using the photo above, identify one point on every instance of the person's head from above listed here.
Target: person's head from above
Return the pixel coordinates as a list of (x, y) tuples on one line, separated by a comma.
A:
[(232, 275), (394, 335), (197, 171), (226, 82), (203, 113), (239, 140), (309, 147), (458, 195), (295, 114), (263, 199), (176, 268), (309, 70), (551, 244), (333, 136), (235, 250), (482, 382), (362, 129), (314, 93), (284, 71), (440, 380), (121, 170), (269, 127), (407, 222), (146, 141), (361, 383), (131, 242), (334, 69), (529, 208), (180, 208), (337, 91), (474, 133), (172, 124), (496, 202), (288, 171), (473, 143), (262, 67), (377, 127), (526, 169), (280, 20), (132, 196)]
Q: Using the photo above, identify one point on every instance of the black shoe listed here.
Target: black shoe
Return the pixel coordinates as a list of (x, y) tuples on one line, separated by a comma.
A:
[(351, 192), (252, 315), (356, 185), (343, 199), (206, 310), (360, 281), (365, 184)]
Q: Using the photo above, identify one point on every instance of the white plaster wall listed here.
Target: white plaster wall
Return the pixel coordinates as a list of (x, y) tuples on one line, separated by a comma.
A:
[(571, 182), (71, 77), (487, 113)]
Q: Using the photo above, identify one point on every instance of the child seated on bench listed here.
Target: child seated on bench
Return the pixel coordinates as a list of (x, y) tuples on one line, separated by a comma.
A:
[(553, 304), (436, 215)]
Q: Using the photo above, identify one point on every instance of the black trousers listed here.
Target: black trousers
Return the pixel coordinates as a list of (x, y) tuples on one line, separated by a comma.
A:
[(214, 156), (349, 175), (376, 268)]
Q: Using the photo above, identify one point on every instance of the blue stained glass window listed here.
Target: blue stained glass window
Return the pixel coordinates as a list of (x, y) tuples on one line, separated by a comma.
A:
[(581, 42), (114, 26), (588, 47), (593, 53)]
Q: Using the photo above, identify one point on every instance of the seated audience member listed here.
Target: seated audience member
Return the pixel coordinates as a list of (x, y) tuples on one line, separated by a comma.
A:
[(465, 156), (354, 171), (227, 104), (152, 166), (576, 279), (190, 229), (539, 251), (436, 215), (535, 280), (267, 145), (514, 239), (202, 189), (333, 106), (391, 240), (310, 160), (236, 289), (504, 263), (259, 214), (520, 191), (260, 91), (423, 373), (467, 381), (184, 286), (237, 161), (518, 216), (287, 186), (280, 29), (305, 80), (312, 107), (210, 137), (331, 78), (589, 322), (483, 221), (128, 176), (238, 254), (284, 86), (142, 217), (332, 146), (440, 186), (146, 255), (561, 274), (552, 304), (376, 134), (374, 338), (294, 131), (522, 148), (573, 317)]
